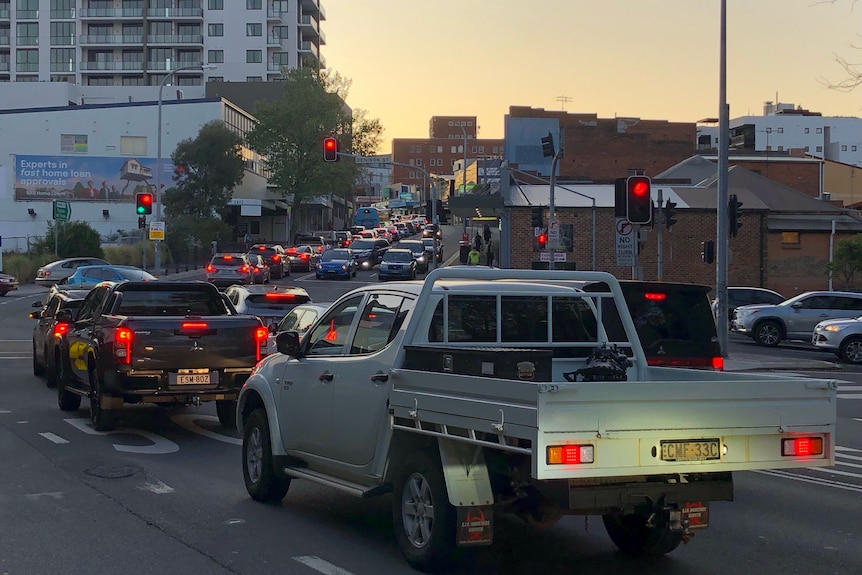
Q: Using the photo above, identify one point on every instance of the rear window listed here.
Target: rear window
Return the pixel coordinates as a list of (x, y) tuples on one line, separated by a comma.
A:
[(227, 261), (276, 300), (166, 302)]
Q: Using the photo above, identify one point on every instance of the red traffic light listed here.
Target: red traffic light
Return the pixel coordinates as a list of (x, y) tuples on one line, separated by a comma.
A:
[(543, 240), (330, 150), (638, 200), (640, 188), (144, 203)]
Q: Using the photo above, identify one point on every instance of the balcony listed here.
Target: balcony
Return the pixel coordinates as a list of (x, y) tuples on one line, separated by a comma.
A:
[(110, 13), (68, 14), (168, 66), (274, 15), (27, 67), (308, 48), (175, 13), (274, 40), (27, 41), (62, 66), (314, 7), (197, 39), (274, 67), (306, 21), (27, 15), (99, 66), (5, 14), (111, 40)]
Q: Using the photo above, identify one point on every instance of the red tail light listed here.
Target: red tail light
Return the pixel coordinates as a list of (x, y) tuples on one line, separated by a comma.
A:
[(262, 248), (303, 256), (60, 329), (279, 295), (655, 296), (211, 269), (123, 345), (243, 269), (261, 336), (802, 446), (276, 258), (194, 325), (227, 258), (718, 363), (346, 243)]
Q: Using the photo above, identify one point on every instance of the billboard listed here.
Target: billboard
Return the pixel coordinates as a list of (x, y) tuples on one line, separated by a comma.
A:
[(86, 178)]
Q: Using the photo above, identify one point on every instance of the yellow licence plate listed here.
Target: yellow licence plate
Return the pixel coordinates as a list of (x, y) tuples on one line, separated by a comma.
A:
[(688, 450)]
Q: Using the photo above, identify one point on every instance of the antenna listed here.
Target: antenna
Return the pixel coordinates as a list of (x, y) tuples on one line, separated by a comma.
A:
[(563, 100)]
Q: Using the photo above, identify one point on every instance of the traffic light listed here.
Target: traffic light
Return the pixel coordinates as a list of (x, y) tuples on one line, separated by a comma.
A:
[(733, 215), (638, 200), (669, 213), (548, 146), (542, 240), (330, 150), (536, 217), (142, 222), (143, 203), (707, 251)]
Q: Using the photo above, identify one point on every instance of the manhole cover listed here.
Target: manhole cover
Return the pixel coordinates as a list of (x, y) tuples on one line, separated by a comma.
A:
[(112, 471)]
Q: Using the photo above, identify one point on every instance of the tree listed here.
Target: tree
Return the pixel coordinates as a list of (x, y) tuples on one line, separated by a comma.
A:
[(192, 236), (853, 73), (847, 258), (206, 171), (289, 136), (75, 239)]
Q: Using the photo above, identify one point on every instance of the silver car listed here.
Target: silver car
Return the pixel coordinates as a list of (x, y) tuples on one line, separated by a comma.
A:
[(843, 337), (51, 274), (794, 318)]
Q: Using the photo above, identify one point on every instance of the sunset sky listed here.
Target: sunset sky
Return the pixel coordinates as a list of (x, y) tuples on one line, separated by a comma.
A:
[(409, 60)]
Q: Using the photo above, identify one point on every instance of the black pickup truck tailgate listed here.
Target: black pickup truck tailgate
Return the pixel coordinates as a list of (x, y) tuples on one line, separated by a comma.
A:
[(172, 343)]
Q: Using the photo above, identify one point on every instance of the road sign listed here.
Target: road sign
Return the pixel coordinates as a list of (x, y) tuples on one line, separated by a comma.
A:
[(381, 159), (554, 234), (558, 256), (624, 242), (157, 230), (62, 210)]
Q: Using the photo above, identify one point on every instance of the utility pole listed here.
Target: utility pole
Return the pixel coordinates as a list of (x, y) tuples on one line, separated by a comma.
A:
[(659, 226), (722, 223)]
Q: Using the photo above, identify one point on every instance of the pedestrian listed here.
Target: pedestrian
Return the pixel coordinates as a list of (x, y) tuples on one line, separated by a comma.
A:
[(487, 233), (473, 257), (489, 256), (477, 241)]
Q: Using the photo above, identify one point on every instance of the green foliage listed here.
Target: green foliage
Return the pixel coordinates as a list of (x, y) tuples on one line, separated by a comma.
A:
[(847, 258), (189, 232), (75, 239), (207, 169), (130, 255), (24, 266)]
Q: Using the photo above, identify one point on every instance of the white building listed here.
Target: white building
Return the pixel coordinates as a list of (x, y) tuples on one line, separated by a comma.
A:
[(783, 127), (124, 43)]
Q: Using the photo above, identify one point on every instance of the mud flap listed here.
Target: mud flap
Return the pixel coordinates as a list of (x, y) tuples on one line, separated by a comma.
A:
[(475, 526), (469, 490)]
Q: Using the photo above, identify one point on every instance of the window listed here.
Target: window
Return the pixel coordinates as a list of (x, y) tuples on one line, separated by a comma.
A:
[(133, 81), (27, 34), (215, 30), (806, 130), (279, 6), (330, 335), (28, 8), (454, 150), (254, 29), (216, 4), (280, 32), (780, 148), (62, 8), (819, 130), (471, 318), (253, 79), (98, 81), (851, 303), (62, 59), (215, 79), (62, 33), (418, 161), (790, 238), (481, 149), (133, 145), (768, 130), (27, 61), (281, 59), (253, 4), (381, 319), (780, 130), (844, 148), (807, 148), (473, 149), (852, 148), (215, 56), (253, 56), (819, 148)]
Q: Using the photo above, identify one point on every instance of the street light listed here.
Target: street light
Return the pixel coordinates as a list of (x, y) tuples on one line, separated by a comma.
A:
[(158, 209)]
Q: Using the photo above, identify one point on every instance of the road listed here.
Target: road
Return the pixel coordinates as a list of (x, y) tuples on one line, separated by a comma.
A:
[(165, 494)]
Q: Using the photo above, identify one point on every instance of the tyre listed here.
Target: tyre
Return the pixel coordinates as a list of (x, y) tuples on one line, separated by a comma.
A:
[(262, 481), (851, 350), (226, 411), (413, 275), (100, 418), (768, 333), (38, 368), (422, 516), (631, 535), (317, 277), (66, 400), (51, 368)]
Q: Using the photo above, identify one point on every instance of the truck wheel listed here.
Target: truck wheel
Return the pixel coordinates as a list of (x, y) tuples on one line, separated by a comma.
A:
[(101, 419), (768, 333), (226, 410), (631, 535), (51, 369), (851, 350), (67, 400), (38, 368), (262, 481), (423, 518)]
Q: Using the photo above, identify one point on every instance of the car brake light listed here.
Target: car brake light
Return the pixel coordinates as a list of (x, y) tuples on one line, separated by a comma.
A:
[(802, 446), (276, 258), (570, 454), (123, 345), (194, 325), (227, 257), (262, 248), (279, 296), (211, 269), (718, 363), (303, 256), (243, 269), (60, 329), (261, 336), (652, 296)]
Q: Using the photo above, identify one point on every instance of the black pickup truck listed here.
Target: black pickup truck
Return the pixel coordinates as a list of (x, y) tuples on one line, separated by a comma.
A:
[(164, 343)]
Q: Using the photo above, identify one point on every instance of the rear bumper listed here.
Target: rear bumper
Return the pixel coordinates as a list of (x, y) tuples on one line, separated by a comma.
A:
[(141, 386)]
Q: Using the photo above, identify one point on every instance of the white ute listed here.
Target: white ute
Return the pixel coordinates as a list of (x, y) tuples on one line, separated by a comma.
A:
[(486, 391)]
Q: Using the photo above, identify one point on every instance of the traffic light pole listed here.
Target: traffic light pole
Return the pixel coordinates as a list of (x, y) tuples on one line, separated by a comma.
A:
[(722, 231), (659, 227), (553, 251)]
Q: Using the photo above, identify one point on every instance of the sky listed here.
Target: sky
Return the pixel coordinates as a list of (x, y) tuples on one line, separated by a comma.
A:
[(409, 60)]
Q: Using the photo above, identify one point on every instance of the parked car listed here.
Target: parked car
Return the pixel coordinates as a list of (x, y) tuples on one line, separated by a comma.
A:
[(261, 271), (269, 303), (737, 296), (420, 254), (228, 269), (47, 329), (86, 277), (397, 264), (303, 257), (7, 283), (299, 319), (794, 318), (275, 256), (336, 262), (843, 337), (53, 272)]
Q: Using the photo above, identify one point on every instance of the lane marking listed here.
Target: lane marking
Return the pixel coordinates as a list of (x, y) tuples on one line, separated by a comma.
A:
[(850, 396), (187, 421), (321, 566), (853, 449), (836, 471), (157, 487), (160, 444), (51, 494), (814, 480), (53, 438)]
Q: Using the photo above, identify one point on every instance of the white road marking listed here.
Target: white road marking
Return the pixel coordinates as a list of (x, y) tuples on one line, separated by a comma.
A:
[(853, 449), (157, 487), (5, 411), (160, 444), (321, 566), (53, 438), (815, 480), (51, 494), (850, 396), (187, 421)]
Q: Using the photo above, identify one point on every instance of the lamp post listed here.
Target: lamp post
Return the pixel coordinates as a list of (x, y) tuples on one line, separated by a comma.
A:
[(464, 169), (158, 213)]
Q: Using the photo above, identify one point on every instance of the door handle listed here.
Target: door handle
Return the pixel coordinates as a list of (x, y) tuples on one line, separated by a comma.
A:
[(325, 376), (380, 377)]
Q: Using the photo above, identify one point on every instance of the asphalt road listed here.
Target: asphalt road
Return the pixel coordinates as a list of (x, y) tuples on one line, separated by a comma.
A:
[(164, 494)]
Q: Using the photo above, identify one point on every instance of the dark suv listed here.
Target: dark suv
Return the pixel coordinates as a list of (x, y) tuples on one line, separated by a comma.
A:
[(274, 256), (674, 322), (45, 349)]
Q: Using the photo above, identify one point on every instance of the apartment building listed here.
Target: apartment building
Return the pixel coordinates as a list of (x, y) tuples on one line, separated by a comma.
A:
[(139, 42)]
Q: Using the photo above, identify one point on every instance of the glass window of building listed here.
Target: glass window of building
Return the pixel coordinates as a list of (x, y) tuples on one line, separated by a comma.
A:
[(215, 56), (62, 33), (254, 29), (27, 34), (215, 30), (253, 56)]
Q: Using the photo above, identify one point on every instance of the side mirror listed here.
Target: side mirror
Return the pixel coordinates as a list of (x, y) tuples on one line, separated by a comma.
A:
[(64, 315), (797, 305), (287, 342)]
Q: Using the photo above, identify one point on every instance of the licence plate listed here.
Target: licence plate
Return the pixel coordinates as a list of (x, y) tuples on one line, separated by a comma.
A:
[(685, 450), (193, 378)]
